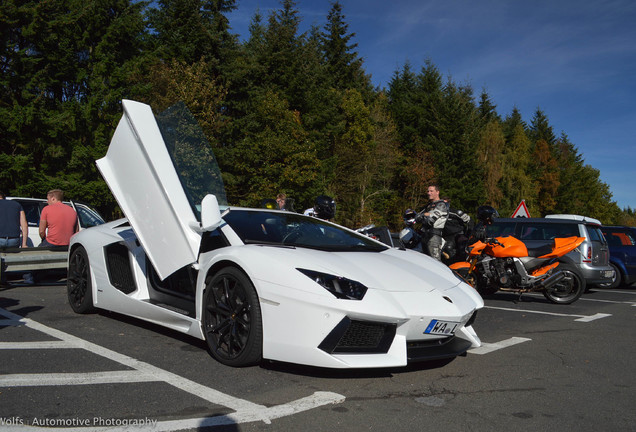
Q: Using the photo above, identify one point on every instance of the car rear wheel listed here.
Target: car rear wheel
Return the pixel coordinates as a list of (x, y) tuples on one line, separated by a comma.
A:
[(232, 320), (569, 289), (616, 281), (78, 282)]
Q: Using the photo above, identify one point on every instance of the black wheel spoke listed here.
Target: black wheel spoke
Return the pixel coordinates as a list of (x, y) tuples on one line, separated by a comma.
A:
[(79, 282), (227, 316)]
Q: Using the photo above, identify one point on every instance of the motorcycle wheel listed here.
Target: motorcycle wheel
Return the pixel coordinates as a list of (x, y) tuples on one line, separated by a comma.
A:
[(472, 281), (463, 273), (569, 289), (487, 290)]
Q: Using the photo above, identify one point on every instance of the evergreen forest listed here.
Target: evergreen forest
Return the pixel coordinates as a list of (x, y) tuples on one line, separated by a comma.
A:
[(284, 110)]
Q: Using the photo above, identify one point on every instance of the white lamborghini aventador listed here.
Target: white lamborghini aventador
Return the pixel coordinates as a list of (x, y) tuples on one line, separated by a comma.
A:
[(254, 283)]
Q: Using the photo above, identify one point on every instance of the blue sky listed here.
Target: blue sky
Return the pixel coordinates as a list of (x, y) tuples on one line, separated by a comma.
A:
[(575, 60)]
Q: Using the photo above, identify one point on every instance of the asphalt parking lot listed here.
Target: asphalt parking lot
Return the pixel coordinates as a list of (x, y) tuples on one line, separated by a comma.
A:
[(542, 366)]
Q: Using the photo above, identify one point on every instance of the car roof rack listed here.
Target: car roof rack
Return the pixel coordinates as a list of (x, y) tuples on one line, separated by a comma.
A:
[(574, 217)]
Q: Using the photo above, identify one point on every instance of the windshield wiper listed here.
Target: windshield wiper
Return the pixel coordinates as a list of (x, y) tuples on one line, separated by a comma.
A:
[(268, 243)]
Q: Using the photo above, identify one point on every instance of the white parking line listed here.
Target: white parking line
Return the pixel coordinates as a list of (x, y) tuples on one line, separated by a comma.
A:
[(613, 291), (246, 411), (631, 303), (593, 317), (486, 348), (36, 345), (581, 318), (51, 379)]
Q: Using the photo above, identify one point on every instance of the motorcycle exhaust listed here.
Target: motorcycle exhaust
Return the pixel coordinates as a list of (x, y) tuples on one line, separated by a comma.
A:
[(553, 279)]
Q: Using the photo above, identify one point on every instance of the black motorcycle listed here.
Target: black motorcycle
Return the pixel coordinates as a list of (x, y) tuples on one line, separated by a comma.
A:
[(414, 236)]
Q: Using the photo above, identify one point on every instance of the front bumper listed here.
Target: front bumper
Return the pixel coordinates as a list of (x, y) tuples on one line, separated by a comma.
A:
[(360, 337)]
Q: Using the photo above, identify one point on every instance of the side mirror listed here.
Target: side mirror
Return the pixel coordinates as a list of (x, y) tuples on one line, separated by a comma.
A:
[(210, 213)]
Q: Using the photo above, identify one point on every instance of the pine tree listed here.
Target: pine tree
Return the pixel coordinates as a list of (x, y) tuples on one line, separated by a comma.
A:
[(452, 138), (403, 103), (511, 122), (544, 169), (354, 148), (516, 183), (490, 156), (274, 155), (540, 129), (67, 65), (487, 109), (193, 30), (343, 65)]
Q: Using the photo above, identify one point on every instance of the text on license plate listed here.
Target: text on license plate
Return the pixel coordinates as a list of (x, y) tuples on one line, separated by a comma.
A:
[(607, 274), (441, 327)]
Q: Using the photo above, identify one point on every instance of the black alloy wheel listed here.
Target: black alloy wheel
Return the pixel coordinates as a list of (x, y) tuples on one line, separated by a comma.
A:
[(232, 319), (78, 282), (569, 289)]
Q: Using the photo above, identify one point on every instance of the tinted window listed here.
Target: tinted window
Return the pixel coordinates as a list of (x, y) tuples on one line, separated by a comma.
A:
[(191, 155), (88, 218), (595, 233), (547, 231), (32, 211), (619, 238), (501, 229), (292, 229)]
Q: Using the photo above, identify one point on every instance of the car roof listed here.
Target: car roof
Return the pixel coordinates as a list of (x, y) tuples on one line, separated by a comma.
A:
[(26, 199), (543, 220), (573, 217), (618, 228), (44, 201)]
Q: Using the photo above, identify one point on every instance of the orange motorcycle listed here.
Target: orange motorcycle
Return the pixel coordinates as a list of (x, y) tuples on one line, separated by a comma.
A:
[(506, 264)]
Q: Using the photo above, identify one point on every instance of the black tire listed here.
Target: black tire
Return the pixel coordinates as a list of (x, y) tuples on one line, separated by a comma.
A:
[(616, 282), (569, 289), (471, 279), (78, 282), (232, 321), (462, 272), (487, 290)]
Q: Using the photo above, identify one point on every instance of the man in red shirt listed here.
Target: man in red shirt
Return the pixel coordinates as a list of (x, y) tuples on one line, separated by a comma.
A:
[(58, 222)]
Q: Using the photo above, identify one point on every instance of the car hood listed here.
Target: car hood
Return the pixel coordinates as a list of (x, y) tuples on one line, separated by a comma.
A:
[(392, 270)]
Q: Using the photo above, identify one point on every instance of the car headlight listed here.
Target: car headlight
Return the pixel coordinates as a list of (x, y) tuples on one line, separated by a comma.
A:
[(340, 287)]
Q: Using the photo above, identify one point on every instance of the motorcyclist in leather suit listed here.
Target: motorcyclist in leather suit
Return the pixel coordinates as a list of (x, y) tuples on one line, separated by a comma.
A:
[(433, 219)]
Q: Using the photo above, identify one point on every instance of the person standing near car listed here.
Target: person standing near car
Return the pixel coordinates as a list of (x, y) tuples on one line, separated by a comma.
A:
[(13, 223), (58, 221), (281, 201), (433, 219), (324, 208)]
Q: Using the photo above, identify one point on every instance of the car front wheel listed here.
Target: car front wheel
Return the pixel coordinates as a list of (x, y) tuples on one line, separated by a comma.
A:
[(78, 282), (232, 318)]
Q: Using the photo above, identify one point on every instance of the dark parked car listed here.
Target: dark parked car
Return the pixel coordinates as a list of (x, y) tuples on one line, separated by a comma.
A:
[(622, 245)]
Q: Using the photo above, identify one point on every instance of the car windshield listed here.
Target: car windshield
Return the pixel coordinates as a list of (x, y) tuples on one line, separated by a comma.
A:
[(292, 229), (88, 217)]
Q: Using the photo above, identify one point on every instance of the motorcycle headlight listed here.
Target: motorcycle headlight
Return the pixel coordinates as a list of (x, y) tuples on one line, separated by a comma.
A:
[(340, 287)]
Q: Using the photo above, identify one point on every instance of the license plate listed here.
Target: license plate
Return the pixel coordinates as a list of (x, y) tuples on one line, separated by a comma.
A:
[(608, 273), (441, 327)]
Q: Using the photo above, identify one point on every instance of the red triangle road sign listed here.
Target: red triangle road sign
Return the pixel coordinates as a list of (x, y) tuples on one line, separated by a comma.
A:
[(522, 210)]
